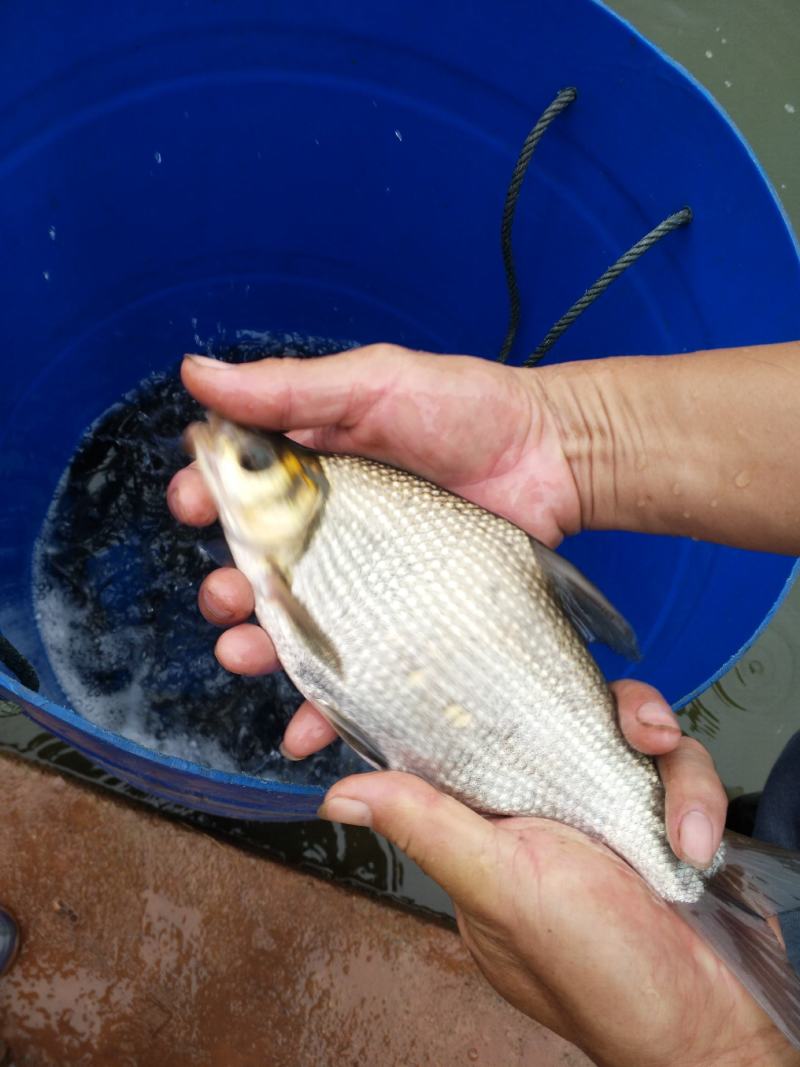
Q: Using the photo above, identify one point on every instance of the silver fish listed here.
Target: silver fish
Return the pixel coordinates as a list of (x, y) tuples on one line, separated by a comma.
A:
[(440, 639)]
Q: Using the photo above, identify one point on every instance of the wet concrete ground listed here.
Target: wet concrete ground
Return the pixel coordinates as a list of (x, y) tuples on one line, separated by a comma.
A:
[(147, 944)]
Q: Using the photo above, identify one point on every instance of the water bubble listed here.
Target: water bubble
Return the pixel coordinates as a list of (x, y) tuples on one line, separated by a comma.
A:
[(52, 233), (157, 157), (46, 275), (398, 135)]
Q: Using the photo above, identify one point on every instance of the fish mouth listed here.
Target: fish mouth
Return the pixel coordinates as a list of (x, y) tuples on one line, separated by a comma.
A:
[(199, 437)]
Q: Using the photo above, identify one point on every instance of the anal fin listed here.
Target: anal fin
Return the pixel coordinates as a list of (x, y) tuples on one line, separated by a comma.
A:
[(353, 736)]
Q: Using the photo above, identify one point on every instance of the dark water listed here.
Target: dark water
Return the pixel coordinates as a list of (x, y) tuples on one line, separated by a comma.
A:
[(116, 581)]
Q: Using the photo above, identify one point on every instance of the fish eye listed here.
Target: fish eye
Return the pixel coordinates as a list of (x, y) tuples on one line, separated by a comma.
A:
[(256, 456)]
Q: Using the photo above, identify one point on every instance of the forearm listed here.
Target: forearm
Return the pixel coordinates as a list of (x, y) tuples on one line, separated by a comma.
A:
[(703, 445)]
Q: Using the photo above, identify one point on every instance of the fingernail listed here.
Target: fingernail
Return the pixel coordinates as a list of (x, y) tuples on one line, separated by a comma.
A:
[(9, 941), (654, 714), (697, 838), (343, 809), (287, 755), (212, 364)]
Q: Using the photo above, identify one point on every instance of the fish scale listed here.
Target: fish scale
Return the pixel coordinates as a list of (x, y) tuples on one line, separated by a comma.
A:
[(402, 577)]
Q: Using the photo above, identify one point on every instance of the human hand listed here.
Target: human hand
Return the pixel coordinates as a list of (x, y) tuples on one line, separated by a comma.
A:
[(480, 429), (568, 933)]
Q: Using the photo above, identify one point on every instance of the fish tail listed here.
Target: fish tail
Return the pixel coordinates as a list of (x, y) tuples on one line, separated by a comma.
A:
[(755, 881)]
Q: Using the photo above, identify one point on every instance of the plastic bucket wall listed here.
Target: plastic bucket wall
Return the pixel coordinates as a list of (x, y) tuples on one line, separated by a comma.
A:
[(340, 170)]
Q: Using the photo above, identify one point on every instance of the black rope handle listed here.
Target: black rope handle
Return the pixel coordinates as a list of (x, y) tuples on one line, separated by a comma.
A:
[(680, 218), (562, 101), (18, 664), (627, 259)]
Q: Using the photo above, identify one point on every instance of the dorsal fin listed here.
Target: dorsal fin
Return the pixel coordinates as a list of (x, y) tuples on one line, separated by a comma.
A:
[(592, 615)]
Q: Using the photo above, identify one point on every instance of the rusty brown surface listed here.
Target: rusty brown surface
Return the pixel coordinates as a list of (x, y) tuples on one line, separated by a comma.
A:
[(146, 944)]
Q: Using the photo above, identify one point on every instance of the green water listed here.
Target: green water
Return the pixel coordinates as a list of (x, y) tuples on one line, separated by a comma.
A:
[(745, 52)]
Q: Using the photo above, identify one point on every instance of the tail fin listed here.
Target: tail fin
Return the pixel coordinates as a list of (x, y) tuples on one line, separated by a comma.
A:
[(756, 880)]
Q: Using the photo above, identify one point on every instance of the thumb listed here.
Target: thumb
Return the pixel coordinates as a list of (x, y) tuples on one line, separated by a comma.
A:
[(293, 394), (457, 847)]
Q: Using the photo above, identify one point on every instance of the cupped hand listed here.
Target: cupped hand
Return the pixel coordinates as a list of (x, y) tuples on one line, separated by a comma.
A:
[(568, 933), (477, 428)]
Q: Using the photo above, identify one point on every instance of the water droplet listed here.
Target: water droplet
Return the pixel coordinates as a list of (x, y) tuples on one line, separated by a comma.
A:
[(709, 54), (316, 140), (724, 40), (687, 514), (46, 275), (641, 462), (157, 157), (676, 490), (398, 135), (715, 503), (789, 109), (52, 233), (742, 479), (473, 1055), (728, 85), (641, 502)]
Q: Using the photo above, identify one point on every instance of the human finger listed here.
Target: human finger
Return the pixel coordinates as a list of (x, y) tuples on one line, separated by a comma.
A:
[(188, 498), (646, 719), (307, 732), (291, 394), (246, 649), (696, 802), (458, 848), (226, 597)]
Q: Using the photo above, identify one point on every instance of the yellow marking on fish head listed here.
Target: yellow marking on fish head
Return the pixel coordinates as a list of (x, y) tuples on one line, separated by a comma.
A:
[(268, 490)]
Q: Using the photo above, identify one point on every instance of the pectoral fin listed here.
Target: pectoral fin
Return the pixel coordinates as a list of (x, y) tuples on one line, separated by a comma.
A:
[(352, 736), (318, 643), (591, 614)]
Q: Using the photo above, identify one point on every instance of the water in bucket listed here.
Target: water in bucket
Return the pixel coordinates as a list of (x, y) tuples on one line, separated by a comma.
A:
[(341, 174)]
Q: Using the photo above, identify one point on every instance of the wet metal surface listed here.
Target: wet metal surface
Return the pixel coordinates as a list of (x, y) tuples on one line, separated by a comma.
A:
[(145, 943)]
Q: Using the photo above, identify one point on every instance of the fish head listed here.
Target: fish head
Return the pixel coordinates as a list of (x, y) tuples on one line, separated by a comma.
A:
[(267, 489)]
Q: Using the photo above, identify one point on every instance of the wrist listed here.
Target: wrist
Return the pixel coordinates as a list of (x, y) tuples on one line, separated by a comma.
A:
[(686, 445), (596, 418)]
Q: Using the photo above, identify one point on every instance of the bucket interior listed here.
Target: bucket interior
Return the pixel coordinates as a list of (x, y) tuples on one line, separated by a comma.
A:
[(209, 174)]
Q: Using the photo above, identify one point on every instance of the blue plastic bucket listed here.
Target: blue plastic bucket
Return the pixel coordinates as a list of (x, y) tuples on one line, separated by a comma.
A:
[(340, 170)]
